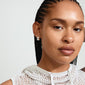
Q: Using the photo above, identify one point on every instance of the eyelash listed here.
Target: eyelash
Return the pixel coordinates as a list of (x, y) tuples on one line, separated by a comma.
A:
[(77, 29), (58, 27)]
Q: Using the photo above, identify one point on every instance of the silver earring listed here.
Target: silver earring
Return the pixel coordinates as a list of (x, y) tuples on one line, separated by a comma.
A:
[(38, 38)]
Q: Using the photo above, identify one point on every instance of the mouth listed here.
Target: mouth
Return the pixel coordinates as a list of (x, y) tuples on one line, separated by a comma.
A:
[(67, 50)]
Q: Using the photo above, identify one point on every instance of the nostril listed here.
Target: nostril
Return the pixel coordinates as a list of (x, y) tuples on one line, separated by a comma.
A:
[(65, 40), (68, 39)]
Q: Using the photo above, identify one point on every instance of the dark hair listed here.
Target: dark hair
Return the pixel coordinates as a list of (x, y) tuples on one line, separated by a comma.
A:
[(41, 13)]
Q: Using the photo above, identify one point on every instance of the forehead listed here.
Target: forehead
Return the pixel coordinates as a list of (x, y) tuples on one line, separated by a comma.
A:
[(64, 9)]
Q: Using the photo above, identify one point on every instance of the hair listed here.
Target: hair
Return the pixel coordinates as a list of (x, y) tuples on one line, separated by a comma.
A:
[(41, 13)]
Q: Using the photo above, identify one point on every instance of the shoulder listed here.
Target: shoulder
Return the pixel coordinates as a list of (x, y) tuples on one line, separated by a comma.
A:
[(78, 76), (9, 82), (81, 73), (77, 72), (23, 78), (83, 69), (20, 79), (81, 77)]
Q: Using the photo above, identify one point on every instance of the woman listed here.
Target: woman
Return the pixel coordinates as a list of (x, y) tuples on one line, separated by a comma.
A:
[(59, 24)]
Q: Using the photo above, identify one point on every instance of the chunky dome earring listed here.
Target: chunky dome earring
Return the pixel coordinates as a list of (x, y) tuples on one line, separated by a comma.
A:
[(38, 38)]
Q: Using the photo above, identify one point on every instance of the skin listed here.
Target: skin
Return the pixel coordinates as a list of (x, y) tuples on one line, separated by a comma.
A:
[(83, 69), (70, 34), (63, 15), (9, 82)]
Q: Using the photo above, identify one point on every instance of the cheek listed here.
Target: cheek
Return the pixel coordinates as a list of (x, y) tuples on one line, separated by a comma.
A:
[(47, 41), (49, 45), (79, 42), (50, 41)]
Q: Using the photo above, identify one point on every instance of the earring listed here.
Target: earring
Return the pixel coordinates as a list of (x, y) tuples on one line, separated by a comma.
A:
[(38, 38)]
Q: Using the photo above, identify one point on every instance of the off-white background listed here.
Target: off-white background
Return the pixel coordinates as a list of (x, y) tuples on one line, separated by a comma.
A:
[(16, 37)]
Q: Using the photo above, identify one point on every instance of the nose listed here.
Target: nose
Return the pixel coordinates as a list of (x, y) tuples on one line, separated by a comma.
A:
[(68, 37)]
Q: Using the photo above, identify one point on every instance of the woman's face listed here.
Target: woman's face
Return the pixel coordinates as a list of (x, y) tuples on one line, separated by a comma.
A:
[(62, 32)]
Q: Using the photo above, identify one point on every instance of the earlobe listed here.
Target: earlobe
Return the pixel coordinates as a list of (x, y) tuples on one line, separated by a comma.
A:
[(36, 29)]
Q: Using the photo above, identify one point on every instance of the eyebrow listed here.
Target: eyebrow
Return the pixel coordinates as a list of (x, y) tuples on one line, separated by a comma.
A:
[(63, 21)]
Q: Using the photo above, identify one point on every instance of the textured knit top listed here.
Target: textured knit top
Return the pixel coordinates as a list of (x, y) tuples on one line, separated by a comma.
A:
[(34, 75)]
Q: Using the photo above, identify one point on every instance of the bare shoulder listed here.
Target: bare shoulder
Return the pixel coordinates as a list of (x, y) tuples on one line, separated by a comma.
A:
[(9, 82), (83, 69)]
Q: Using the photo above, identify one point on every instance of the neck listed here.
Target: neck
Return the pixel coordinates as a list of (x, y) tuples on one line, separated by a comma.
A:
[(52, 66)]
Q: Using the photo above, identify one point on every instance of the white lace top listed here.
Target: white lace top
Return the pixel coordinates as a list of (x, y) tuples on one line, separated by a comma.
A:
[(35, 75)]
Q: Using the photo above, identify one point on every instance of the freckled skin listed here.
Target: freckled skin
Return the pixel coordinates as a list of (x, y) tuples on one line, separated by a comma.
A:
[(52, 39)]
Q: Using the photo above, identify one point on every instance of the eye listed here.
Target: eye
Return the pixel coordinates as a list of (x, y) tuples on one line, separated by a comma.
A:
[(58, 27), (77, 29)]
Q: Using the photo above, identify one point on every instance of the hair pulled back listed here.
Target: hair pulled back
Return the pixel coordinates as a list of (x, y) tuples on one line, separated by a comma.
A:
[(41, 13)]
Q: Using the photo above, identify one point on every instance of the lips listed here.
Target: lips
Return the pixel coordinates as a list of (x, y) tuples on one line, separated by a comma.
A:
[(66, 50)]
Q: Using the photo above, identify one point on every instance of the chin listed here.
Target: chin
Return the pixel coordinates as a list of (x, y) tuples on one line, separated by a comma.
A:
[(66, 60)]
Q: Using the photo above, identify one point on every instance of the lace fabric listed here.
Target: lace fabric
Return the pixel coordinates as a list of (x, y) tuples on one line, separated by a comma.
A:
[(35, 75)]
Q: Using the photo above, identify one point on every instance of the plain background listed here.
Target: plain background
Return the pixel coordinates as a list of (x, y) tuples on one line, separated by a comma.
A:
[(16, 37)]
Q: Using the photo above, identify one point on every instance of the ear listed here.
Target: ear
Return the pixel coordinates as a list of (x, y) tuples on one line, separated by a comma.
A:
[(36, 29)]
